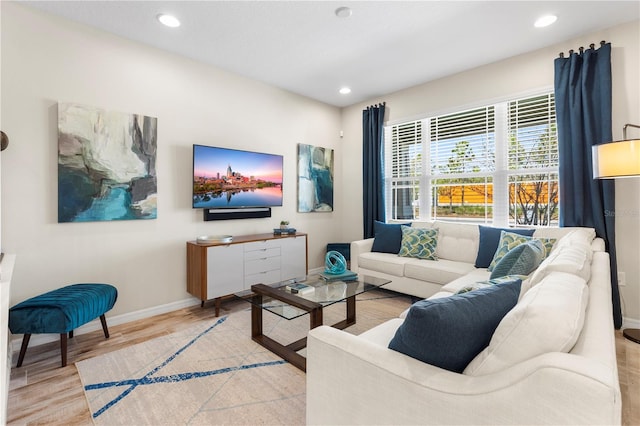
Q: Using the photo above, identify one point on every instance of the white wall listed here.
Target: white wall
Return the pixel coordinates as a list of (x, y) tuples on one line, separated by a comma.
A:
[(517, 75), (46, 60)]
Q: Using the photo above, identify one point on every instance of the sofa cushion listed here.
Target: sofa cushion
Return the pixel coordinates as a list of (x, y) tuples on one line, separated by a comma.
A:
[(574, 258), (387, 263), (549, 318), (439, 272), (493, 281), (419, 243), (489, 237), (449, 332), (520, 260), (387, 237), (457, 241), (382, 333), (437, 295), (466, 280), (576, 237)]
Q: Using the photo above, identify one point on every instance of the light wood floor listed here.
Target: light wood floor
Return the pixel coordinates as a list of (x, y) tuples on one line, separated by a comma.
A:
[(43, 393)]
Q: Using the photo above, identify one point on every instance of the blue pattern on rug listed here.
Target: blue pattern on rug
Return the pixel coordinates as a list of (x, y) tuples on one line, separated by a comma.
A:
[(148, 380)]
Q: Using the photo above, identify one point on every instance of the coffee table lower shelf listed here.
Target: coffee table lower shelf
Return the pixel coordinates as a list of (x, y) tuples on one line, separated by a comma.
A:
[(290, 352)]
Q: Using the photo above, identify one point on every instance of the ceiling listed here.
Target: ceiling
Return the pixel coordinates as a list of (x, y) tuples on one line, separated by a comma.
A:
[(383, 47)]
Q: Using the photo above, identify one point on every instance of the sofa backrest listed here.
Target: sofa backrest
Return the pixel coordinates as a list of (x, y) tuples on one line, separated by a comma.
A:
[(460, 241), (456, 241), (557, 233)]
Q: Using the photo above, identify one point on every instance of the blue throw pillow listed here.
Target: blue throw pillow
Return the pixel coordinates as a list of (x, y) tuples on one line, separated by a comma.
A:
[(449, 332), (388, 237), (489, 239), (521, 260)]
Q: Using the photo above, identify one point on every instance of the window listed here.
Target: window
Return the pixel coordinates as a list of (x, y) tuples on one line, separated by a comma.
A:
[(494, 164)]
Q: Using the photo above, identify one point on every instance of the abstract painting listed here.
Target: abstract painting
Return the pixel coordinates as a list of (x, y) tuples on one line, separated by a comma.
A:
[(315, 179), (106, 165)]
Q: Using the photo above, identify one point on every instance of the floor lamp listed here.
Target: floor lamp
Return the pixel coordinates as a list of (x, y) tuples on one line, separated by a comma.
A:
[(619, 159)]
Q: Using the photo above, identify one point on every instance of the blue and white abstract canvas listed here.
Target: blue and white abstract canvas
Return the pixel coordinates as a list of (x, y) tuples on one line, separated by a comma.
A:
[(106, 165), (315, 179)]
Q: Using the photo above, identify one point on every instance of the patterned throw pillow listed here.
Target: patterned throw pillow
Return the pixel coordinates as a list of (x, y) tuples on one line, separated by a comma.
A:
[(508, 241), (419, 242), (521, 260), (547, 243), (489, 240)]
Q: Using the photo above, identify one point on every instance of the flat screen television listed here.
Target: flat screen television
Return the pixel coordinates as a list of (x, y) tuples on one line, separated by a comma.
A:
[(231, 178)]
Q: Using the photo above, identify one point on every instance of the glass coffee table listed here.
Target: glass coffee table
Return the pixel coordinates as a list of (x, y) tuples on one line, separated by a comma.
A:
[(277, 299)]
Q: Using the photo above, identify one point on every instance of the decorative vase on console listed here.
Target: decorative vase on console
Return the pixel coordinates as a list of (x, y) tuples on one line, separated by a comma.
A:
[(284, 224)]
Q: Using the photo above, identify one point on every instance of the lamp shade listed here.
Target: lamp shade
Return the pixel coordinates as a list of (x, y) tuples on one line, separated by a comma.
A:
[(616, 159)]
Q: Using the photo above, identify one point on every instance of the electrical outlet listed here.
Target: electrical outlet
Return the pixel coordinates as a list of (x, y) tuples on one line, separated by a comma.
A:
[(622, 279)]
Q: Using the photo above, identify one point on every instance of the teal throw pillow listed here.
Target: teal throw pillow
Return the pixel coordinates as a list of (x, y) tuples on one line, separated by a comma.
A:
[(508, 241), (449, 332), (419, 243), (520, 260)]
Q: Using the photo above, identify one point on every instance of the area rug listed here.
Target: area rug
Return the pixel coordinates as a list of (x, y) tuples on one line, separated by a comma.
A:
[(213, 373)]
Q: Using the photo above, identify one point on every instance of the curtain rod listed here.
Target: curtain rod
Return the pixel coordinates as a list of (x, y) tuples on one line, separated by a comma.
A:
[(377, 106), (581, 49)]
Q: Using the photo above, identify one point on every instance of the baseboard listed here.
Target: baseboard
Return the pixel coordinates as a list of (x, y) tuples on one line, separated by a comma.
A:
[(630, 323), (41, 339), (316, 271)]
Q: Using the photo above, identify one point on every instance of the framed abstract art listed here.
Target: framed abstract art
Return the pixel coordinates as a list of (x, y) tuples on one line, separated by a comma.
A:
[(106, 165), (315, 179)]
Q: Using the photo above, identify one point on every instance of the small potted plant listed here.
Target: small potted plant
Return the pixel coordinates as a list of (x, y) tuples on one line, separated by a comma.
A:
[(284, 224)]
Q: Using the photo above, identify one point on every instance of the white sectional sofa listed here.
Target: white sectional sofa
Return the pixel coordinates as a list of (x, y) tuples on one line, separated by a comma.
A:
[(551, 359)]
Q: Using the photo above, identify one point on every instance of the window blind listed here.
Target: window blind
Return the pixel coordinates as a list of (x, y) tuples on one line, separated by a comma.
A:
[(496, 163)]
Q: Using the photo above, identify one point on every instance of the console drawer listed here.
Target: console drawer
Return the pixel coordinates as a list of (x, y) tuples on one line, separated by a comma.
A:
[(266, 277), (264, 264), (262, 253), (261, 245)]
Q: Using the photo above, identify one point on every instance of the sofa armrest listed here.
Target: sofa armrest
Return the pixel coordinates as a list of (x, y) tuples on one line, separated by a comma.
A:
[(353, 381), (357, 247), (598, 244)]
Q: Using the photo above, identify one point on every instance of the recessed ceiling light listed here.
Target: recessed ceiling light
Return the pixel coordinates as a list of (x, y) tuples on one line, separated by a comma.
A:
[(344, 90), (168, 20), (545, 21), (343, 12)]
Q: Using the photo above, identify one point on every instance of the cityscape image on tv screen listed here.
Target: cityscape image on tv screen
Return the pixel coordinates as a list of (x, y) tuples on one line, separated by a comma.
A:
[(230, 178)]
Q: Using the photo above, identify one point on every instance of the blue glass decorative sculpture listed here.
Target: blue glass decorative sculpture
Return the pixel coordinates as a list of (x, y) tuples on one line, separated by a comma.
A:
[(334, 263)]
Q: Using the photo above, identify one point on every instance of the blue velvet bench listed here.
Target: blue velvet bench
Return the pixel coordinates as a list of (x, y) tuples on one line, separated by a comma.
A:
[(61, 311)]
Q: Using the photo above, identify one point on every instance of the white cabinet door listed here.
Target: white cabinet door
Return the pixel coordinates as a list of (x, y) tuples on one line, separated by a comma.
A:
[(225, 270), (293, 253)]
